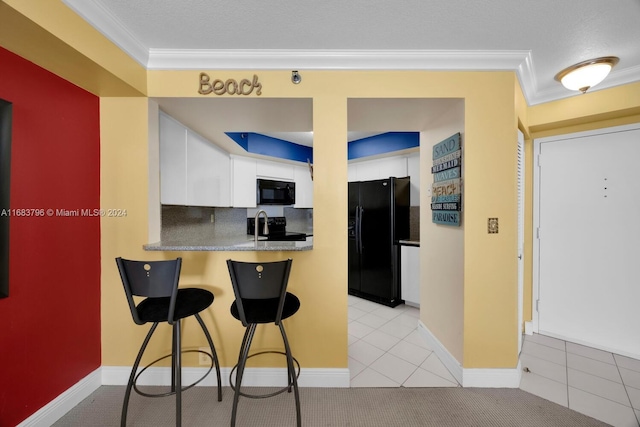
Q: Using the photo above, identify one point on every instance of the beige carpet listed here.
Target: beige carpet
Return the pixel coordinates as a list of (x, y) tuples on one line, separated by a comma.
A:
[(366, 407)]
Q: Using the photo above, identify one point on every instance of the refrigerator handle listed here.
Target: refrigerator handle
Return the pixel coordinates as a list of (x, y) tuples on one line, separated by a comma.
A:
[(357, 229), (360, 229)]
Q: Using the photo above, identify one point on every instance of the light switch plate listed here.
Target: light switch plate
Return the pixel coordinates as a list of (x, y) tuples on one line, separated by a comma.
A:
[(492, 226)]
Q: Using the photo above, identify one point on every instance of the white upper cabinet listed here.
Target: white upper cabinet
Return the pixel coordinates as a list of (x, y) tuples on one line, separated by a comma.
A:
[(243, 182), (173, 162), (193, 171), (378, 169), (246, 170), (208, 173), (274, 170), (304, 187)]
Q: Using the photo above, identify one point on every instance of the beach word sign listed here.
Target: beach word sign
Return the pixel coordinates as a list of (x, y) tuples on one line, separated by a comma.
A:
[(229, 86)]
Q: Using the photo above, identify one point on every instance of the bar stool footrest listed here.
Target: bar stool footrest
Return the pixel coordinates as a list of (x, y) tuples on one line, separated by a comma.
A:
[(264, 396), (170, 393)]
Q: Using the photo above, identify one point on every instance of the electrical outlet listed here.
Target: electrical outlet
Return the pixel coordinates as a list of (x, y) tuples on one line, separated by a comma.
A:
[(212, 219), (204, 359)]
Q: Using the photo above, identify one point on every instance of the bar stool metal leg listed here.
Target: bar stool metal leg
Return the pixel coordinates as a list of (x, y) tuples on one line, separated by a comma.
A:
[(178, 372), (213, 353), (292, 373), (127, 395), (242, 361)]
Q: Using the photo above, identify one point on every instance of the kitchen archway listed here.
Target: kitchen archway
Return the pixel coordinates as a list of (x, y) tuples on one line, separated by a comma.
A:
[(386, 348)]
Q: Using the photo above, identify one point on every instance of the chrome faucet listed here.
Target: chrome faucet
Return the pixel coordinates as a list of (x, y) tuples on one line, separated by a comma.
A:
[(265, 230)]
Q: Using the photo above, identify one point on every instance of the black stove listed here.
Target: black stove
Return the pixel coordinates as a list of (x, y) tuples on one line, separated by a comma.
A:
[(277, 229)]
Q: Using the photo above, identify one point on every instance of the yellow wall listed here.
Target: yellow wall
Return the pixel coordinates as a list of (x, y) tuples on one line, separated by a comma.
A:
[(49, 34), (593, 110), (480, 330), (320, 275), (441, 264)]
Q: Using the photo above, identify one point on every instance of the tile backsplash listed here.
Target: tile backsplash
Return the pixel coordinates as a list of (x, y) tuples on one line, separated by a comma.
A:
[(414, 223), (186, 222), (180, 223)]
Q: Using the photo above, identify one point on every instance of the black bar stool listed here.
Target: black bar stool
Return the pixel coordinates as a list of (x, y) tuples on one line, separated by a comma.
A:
[(261, 295), (164, 302)]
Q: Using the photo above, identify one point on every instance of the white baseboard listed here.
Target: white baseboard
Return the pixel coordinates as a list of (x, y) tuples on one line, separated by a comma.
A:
[(119, 375), (54, 410), (256, 377), (489, 378), (528, 328), (493, 378), (441, 351)]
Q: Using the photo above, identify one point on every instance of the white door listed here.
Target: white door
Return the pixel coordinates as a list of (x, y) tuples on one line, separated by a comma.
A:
[(588, 224)]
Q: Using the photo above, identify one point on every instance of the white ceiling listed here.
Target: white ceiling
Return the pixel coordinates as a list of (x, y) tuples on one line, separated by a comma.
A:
[(536, 39)]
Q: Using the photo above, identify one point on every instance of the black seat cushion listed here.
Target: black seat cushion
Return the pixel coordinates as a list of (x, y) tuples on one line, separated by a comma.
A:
[(188, 302), (265, 310)]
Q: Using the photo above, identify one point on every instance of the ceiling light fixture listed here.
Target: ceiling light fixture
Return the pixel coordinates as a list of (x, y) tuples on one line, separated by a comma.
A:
[(295, 77), (586, 74)]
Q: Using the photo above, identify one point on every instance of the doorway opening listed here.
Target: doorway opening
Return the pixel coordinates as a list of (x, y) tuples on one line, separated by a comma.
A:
[(386, 347)]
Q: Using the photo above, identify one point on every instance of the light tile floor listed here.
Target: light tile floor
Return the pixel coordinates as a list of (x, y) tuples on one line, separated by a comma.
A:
[(386, 349), (593, 382)]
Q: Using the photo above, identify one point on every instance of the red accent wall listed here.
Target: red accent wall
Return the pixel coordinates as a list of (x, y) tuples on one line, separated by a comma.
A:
[(50, 323)]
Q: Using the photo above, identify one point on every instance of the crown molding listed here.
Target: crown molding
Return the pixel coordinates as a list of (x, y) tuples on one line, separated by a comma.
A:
[(280, 59), (100, 18)]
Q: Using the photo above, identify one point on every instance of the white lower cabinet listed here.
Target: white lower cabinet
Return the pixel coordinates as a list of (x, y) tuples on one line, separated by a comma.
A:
[(410, 275)]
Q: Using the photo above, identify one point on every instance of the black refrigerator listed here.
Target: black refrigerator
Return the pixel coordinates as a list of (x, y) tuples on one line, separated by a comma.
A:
[(378, 218)]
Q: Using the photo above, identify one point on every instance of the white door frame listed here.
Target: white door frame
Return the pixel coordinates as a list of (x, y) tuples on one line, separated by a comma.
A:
[(536, 204), (521, 200)]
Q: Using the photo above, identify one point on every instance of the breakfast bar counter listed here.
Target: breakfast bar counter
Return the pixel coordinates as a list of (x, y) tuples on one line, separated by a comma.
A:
[(227, 243)]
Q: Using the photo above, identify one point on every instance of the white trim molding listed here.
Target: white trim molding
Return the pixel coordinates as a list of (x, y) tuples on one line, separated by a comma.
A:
[(487, 378), (119, 375), (67, 400), (100, 18), (337, 59), (253, 377)]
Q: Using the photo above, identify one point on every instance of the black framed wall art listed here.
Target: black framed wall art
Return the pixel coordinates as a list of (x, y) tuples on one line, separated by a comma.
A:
[(6, 113)]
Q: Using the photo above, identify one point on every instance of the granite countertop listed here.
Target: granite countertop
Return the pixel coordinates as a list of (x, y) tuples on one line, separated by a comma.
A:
[(409, 243), (228, 243)]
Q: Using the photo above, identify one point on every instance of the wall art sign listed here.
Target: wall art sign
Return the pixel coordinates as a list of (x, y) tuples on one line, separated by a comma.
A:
[(6, 113), (446, 147), (446, 190), (446, 217), (448, 174), (229, 86)]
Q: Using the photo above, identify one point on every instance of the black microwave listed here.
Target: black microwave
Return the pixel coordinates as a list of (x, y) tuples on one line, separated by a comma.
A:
[(272, 192)]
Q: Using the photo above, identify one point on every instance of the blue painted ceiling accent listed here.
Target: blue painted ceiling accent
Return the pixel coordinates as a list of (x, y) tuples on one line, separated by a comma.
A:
[(383, 143), (261, 144), (379, 144)]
